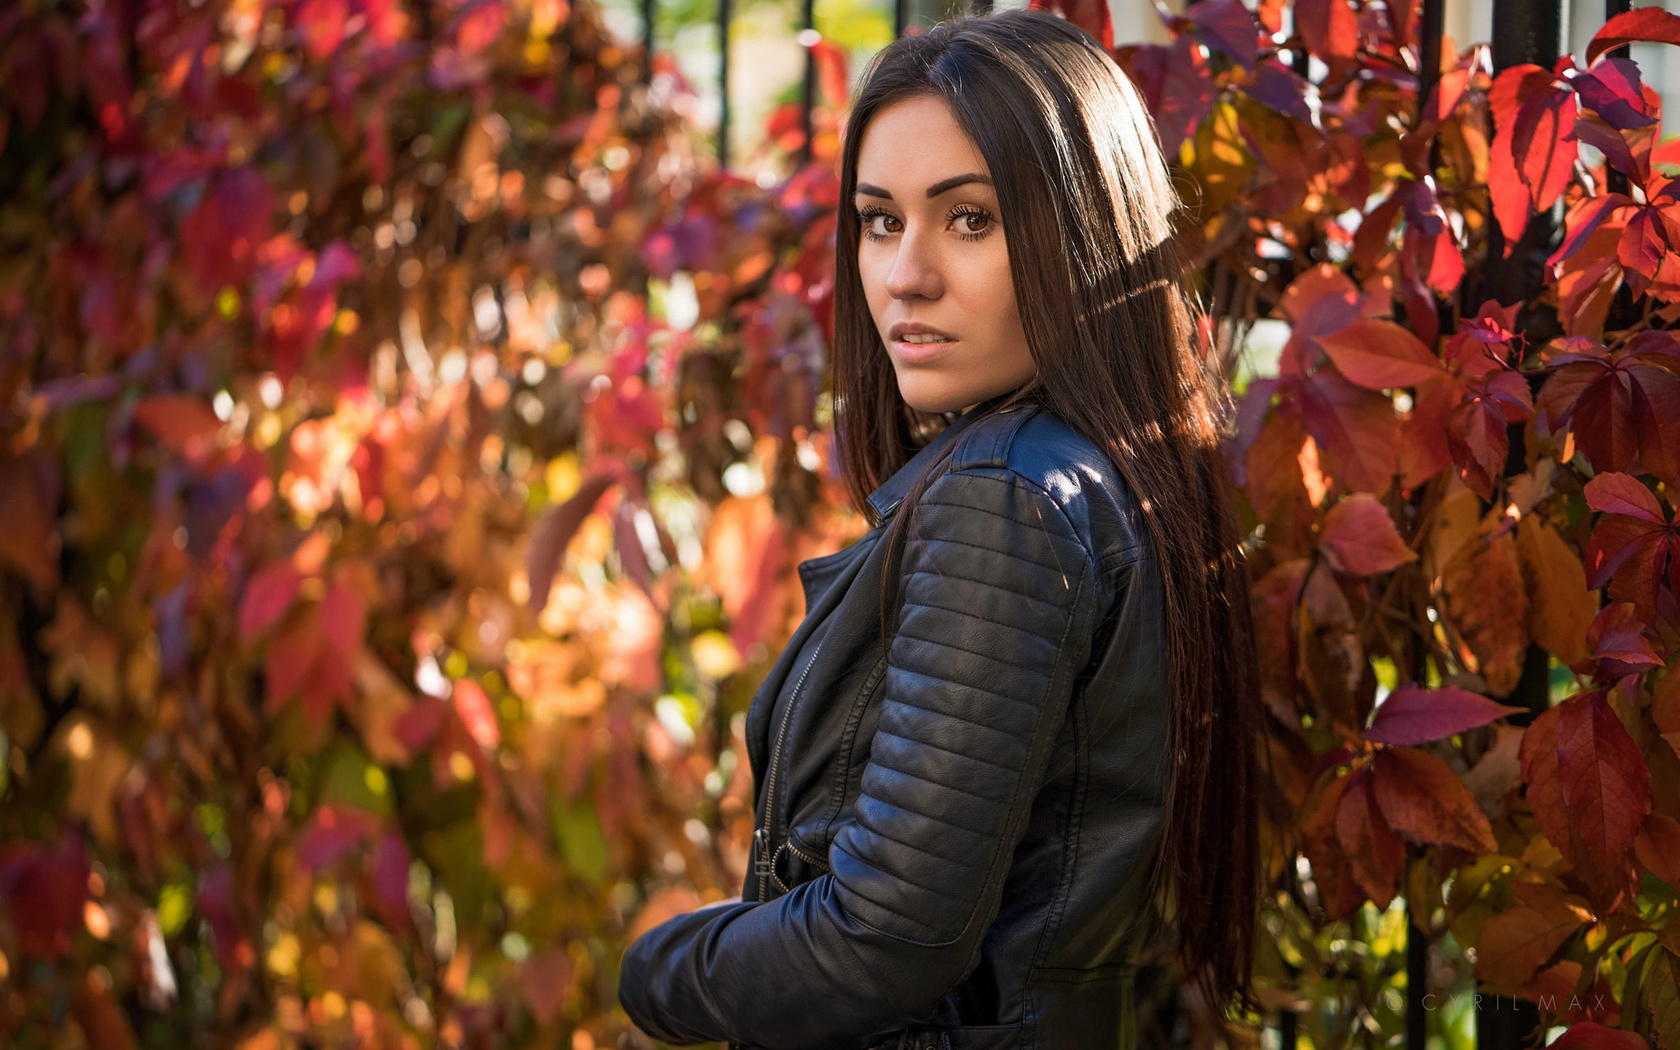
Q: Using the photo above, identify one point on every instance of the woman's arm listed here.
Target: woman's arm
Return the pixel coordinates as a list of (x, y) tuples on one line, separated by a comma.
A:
[(1000, 602)]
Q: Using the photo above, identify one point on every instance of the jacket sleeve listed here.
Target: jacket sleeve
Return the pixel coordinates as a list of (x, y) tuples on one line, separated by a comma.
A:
[(999, 606)]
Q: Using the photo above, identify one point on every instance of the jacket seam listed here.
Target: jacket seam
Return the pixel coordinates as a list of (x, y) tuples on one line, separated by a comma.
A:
[(848, 738), (1017, 474), (1070, 837), (975, 615)]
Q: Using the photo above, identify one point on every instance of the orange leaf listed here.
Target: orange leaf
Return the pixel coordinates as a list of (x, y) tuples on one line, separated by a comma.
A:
[(1516, 943), (1560, 607), (1658, 847), (1422, 797), (1380, 355), (1359, 537), (1487, 602), (1338, 890), (1374, 852), (184, 424)]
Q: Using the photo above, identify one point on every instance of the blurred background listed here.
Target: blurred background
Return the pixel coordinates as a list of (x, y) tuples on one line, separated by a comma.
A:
[(411, 413)]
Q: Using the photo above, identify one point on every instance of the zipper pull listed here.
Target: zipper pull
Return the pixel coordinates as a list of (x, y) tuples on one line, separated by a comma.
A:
[(761, 852)]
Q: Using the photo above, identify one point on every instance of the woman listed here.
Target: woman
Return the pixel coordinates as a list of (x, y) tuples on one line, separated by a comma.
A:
[(1023, 704)]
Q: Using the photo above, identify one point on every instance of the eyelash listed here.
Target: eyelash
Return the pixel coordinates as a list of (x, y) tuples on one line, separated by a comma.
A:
[(865, 214)]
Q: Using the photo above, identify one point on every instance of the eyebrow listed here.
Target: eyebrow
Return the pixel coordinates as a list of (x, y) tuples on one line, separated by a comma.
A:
[(942, 186)]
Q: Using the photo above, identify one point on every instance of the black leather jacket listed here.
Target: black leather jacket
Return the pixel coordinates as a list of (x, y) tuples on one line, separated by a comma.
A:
[(953, 834)]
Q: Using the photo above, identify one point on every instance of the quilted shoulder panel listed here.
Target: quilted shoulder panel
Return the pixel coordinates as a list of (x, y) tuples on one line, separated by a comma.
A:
[(1000, 596)]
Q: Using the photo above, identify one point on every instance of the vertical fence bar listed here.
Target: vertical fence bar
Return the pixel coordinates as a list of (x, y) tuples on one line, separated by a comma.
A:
[(1417, 977), (648, 12), (1523, 31), (1431, 26), (724, 17), (901, 17), (1617, 182), (808, 96)]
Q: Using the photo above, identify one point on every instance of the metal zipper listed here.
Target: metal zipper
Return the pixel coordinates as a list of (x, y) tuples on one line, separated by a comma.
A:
[(788, 846), (762, 855)]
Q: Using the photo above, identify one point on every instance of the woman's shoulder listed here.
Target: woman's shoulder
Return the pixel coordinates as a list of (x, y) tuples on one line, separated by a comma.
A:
[(1042, 452)]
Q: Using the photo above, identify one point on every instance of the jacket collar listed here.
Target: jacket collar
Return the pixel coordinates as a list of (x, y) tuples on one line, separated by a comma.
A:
[(893, 490)]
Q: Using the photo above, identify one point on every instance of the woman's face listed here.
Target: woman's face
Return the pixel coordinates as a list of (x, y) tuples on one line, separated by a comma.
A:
[(934, 259)]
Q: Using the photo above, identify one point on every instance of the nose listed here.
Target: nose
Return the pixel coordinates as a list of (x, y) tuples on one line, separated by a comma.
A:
[(915, 269)]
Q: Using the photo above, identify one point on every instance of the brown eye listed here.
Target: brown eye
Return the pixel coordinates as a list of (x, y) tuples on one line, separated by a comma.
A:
[(973, 222), (867, 218)]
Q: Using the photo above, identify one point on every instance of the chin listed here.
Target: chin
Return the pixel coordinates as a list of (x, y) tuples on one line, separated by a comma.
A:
[(933, 397)]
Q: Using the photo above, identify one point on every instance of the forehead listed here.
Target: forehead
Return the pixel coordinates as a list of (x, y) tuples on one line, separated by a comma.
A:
[(912, 144)]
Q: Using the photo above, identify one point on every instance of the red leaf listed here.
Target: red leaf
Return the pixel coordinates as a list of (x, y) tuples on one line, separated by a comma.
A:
[(1656, 407), (1630, 554), (1175, 83), (1380, 355), (1643, 243), (1538, 756), (473, 706), (1423, 448), (1435, 258), (1375, 853), (1621, 494), (268, 594), (1422, 797), (1227, 26), (1612, 90), (1616, 639), (330, 832), (1658, 847), (321, 22), (1513, 198), (1359, 537), (1478, 442), (1444, 96), (1543, 141), (417, 726), (220, 237), (1330, 29), (1583, 219), (1606, 784), (44, 889), (1089, 15), (1593, 1036), (1413, 714), (184, 424), (1338, 888), (556, 529), (1647, 24), (390, 880), (1603, 422), (1356, 429)]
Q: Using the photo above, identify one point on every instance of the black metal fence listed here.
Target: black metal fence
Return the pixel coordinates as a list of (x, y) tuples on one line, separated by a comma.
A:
[(1523, 31)]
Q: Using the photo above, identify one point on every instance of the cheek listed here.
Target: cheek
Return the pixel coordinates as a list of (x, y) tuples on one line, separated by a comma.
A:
[(992, 290)]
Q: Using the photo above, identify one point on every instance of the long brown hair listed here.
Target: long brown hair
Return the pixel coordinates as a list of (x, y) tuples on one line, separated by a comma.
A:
[(1088, 207)]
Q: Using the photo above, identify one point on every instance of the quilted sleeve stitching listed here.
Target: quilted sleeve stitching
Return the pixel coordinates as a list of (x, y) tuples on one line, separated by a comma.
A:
[(927, 708)]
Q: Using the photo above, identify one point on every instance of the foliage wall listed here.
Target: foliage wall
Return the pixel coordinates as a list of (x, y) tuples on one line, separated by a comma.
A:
[(405, 440), (1461, 472)]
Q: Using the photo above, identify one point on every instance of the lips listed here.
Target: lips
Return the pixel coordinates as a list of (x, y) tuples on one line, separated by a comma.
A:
[(901, 329)]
